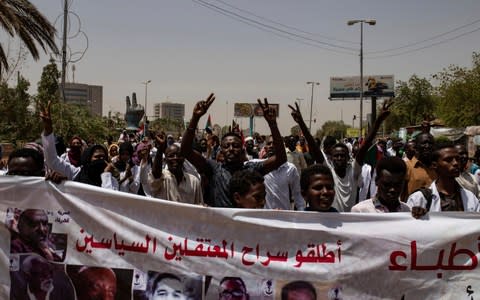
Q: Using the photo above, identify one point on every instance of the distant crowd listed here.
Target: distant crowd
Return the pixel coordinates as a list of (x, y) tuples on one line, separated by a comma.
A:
[(295, 172)]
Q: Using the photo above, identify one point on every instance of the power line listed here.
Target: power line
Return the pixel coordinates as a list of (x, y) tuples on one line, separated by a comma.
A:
[(286, 26), (270, 28), (425, 40), (427, 46)]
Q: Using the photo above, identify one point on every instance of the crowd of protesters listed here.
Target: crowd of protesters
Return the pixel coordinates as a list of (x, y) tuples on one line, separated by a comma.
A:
[(292, 172)]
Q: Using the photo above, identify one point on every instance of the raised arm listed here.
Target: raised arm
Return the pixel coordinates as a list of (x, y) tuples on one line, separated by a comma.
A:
[(313, 148), (195, 158), (280, 156), (48, 141), (161, 145), (362, 152)]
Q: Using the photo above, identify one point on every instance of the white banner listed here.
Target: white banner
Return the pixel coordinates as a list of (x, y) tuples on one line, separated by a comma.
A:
[(136, 242)]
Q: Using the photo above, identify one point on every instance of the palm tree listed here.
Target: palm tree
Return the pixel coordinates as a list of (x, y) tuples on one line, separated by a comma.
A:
[(21, 18)]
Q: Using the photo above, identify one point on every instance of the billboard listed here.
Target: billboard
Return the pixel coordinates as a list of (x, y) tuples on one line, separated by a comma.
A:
[(246, 110), (373, 85)]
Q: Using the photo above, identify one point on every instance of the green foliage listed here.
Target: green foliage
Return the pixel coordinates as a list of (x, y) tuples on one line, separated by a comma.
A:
[(167, 125), (17, 119), (47, 87), (295, 130), (414, 100), (337, 129), (459, 94)]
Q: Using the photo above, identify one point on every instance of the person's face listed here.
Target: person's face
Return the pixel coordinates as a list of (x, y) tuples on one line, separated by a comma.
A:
[(98, 154), (447, 164), (463, 154), (231, 148), (124, 156), (254, 198), (269, 146), (40, 277), (300, 294), (23, 166), (424, 146), (169, 289), (390, 186), (291, 143), (320, 192), (232, 290), (76, 144), (33, 226), (410, 149), (339, 156), (249, 145), (102, 284), (170, 140), (174, 159), (203, 145), (301, 141), (113, 151)]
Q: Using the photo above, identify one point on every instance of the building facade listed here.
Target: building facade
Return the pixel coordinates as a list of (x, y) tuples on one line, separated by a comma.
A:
[(89, 96), (168, 110)]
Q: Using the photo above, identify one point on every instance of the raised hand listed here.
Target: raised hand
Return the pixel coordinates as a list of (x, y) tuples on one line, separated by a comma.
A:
[(134, 113), (202, 106), (161, 141), (385, 109), (269, 113), (296, 114), (46, 116)]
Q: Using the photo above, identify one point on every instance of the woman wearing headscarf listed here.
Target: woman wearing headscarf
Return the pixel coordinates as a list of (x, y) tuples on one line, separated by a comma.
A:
[(94, 169), (74, 154)]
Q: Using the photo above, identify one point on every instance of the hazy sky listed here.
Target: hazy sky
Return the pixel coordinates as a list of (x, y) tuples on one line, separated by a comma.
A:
[(188, 50)]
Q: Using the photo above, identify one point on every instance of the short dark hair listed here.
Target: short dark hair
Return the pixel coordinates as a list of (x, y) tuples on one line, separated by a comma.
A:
[(417, 138), (391, 164), (160, 277), (231, 133), (242, 180), (440, 146), (297, 285), (310, 171), (340, 145), (29, 153)]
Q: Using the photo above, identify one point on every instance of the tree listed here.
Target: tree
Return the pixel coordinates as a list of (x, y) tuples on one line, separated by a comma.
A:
[(295, 130), (47, 87), (459, 94), (414, 100), (337, 129), (21, 18)]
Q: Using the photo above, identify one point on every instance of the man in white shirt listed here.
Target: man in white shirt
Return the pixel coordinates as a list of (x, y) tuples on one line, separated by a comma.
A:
[(282, 184), (446, 193), (390, 180)]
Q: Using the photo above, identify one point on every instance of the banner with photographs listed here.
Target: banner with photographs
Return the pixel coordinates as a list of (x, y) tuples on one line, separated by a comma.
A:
[(247, 110), (73, 241)]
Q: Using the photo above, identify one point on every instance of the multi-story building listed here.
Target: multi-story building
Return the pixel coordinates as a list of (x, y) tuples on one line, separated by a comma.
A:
[(168, 110), (90, 96)]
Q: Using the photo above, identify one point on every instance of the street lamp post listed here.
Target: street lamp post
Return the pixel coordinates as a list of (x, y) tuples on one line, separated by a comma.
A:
[(145, 108), (350, 23), (311, 104)]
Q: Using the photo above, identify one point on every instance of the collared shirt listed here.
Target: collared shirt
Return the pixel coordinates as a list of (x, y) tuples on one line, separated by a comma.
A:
[(189, 190), (280, 185), (219, 175), (418, 176), (374, 205), (469, 200)]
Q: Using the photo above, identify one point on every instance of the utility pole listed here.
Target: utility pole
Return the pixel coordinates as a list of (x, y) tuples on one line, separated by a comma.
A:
[(311, 105)]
